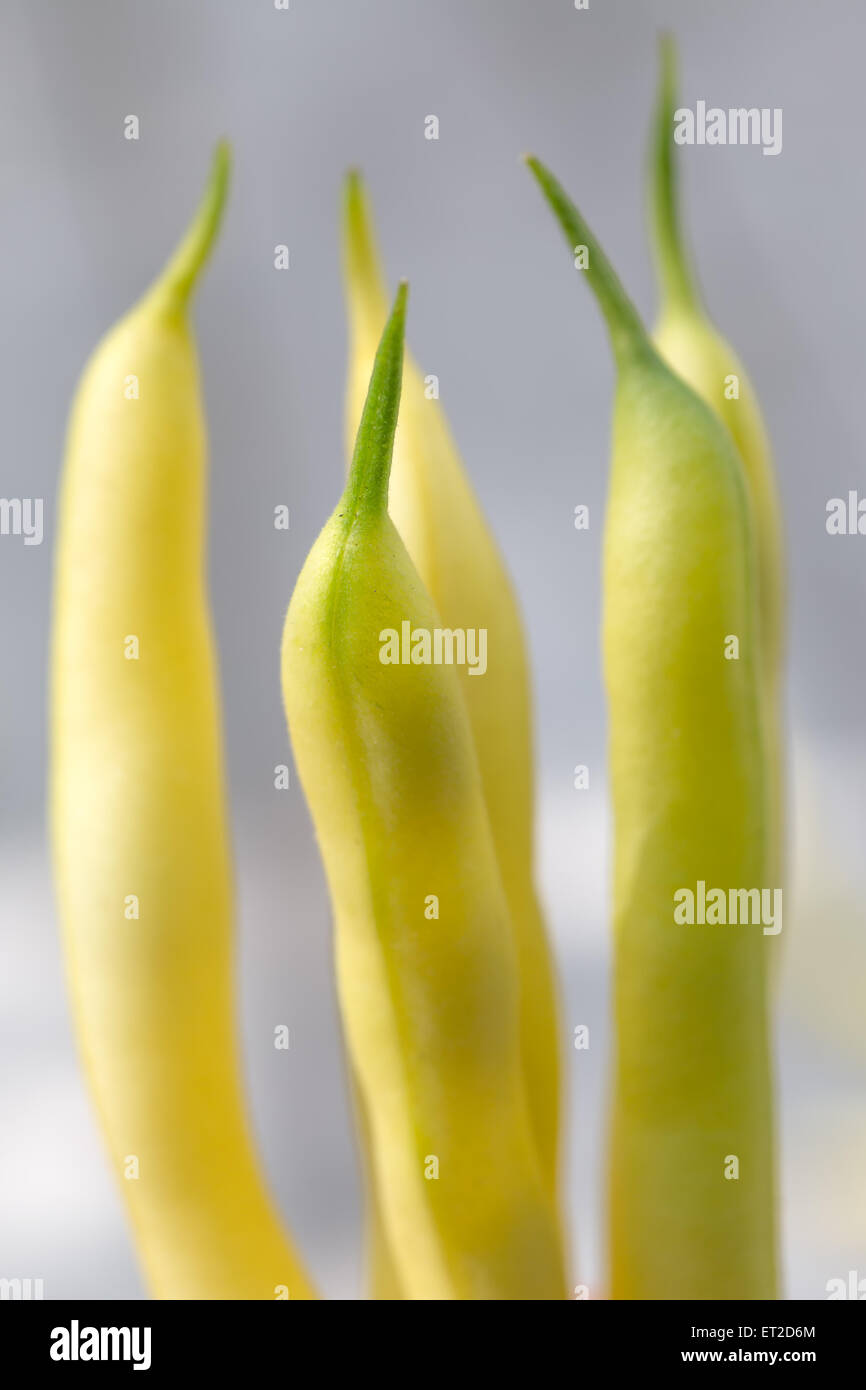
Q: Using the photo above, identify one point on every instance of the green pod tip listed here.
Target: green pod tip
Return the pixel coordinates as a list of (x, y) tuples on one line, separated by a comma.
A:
[(674, 269), (180, 275), (627, 333), (367, 486)]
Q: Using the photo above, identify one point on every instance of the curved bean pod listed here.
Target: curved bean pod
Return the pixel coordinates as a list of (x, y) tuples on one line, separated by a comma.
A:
[(139, 821)]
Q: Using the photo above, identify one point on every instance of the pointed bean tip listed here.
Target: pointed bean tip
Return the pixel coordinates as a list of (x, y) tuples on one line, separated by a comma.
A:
[(668, 53), (539, 171), (182, 272), (355, 208)]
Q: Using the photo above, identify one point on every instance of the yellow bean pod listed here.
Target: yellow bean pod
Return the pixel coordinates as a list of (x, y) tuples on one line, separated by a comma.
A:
[(437, 515), (694, 348), (140, 835), (425, 957), (692, 1204)]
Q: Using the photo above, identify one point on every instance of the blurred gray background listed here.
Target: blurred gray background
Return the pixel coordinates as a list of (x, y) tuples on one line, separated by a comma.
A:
[(86, 219)]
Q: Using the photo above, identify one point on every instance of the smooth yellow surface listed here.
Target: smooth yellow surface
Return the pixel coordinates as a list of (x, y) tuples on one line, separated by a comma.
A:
[(700, 355), (692, 1071), (138, 808), (437, 515), (430, 1006)]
